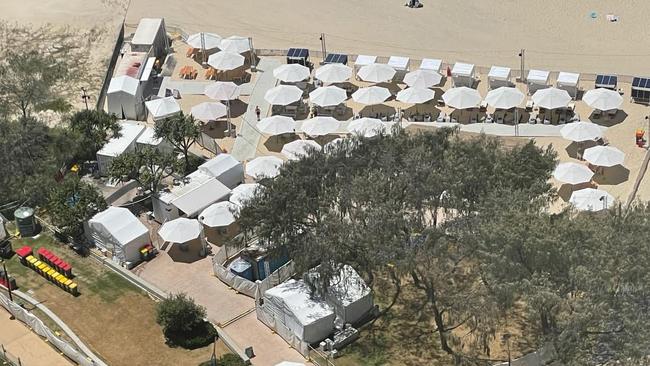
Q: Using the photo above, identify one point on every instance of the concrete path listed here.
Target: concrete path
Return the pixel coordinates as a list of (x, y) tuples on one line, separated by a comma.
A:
[(525, 130), (248, 137), (185, 87)]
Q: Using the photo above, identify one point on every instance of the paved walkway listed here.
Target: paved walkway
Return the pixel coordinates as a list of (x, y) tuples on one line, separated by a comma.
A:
[(525, 129), (248, 137)]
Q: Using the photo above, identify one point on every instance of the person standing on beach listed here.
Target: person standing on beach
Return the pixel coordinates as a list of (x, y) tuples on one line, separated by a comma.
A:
[(258, 112)]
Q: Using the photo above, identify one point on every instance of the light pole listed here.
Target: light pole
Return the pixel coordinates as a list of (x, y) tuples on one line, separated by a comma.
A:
[(522, 56), (85, 96)]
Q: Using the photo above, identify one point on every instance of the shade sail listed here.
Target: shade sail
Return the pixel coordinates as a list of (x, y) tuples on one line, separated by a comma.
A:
[(602, 99), (235, 44), (376, 73), (573, 173), (581, 131), (328, 96), (504, 97), (371, 95), (320, 126), (162, 107), (219, 214), (276, 125), (180, 230), (264, 167), (299, 148), (291, 73), (222, 90), (590, 199), (243, 193), (203, 40), (283, 95), (366, 127), (415, 95), (462, 97), (551, 98), (208, 111), (333, 73), (422, 78), (606, 156), (225, 60)]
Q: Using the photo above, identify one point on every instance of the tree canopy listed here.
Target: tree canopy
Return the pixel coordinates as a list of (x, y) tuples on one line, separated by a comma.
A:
[(71, 203), (92, 129), (181, 131), (183, 322), (147, 166)]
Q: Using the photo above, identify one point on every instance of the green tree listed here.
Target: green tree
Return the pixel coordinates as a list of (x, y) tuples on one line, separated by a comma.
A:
[(71, 203), (148, 166), (183, 322), (181, 131), (91, 129)]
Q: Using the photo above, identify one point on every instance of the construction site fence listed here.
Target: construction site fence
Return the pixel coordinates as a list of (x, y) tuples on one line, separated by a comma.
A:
[(101, 97), (7, 358)]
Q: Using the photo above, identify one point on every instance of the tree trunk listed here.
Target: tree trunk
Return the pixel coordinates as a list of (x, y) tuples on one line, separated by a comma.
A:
[(440, 324)]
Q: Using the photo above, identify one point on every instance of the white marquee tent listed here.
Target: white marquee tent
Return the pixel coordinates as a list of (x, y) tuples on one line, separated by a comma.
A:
[(118, 231), (124, 98), (225, 168), (568, 81), (117, 146), (163, 107), (148, 139), (431, 64)]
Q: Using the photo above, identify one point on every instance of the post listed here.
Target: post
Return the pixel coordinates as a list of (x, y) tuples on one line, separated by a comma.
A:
[(522, 56), (228, 117), (203, 49), (252, 53), (322, 46), (516, 121), (4, 269), (85, 96)]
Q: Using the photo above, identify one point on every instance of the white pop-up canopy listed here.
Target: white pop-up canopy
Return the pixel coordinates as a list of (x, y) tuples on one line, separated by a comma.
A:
[(328, 96), (363, 60), (162, 107), (590, 199), (235, 44), (371, 95), (399, 63), (581, 131), (504, 97), (422, 78), (333, 73), (203, 40), (376, 73), (222, 90), (180, 230), (538, 77), (208, 111), (320, 126), (283, 95), (291, 73), (573, 173), (567, 79), (219, 214), (244, 193), (225, 60), (276, 125), (415, 95), (551, 98), (117, 230), (264, 167), (606, 156), (462, 69), (366, 127), (602, 99), (299, 148), (431, 64), (462, 97), (499, 76)]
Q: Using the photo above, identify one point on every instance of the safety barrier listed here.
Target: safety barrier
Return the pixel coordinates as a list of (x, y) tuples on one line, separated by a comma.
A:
[(7, 358)]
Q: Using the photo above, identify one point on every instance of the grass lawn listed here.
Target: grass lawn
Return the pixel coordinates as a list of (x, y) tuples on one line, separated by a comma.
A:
[(113, 317)]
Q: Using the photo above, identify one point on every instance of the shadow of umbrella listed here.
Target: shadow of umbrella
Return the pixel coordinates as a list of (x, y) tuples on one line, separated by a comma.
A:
[(567, 189), (188, 252), (275, 143), (576, 149), (607, 121), (237, 108), (377, 109), (612, 175)]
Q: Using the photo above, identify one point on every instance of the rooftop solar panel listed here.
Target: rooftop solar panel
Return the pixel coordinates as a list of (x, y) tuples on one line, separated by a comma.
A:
[(336, 58), (298, 53), (636, 81), (607, 80)]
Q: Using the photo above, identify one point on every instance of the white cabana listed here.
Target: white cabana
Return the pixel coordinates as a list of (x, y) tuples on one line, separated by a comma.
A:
[(208, 111), (225, 168), (415, 95), (363, 60), (568, 81), (291, 73), (219, 214), (366, 127), (376, 73), (116, 146), (235, 44), (222, 90), (225, 60), (327, 96), (422, 78), (243, 193), (299, 148), (537, 79), (590, 199), (371, 95), (320, 126), (606, 156), (581, 131), (333, 73), (504, 97), (462, 97), (551, 98), (399, 63), (431, 64), (573, 173), (204, 41), (603, 99), (499, 76), (180, 230), (276, 125), (119, 232), (463, 74), (124, 98), (264, 167), (283, 95), (162, 107)]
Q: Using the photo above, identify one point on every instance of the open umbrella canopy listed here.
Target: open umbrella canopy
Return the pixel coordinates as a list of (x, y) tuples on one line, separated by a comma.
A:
[(333, 73), (504, 97), (235, 44), (243, 193), (376, 73), (283, 95), (291, 73), (219, 214), (606, 156), (581, 131), (289, 363), (551, 98), (590, 199), (333, 144), (225, 60), (222, 90), (462, 97), (264, 167), (422, 78), (573, 173), (366, 127), (299, 148), (208, 111), (276, 125), (320, 126), (371, 95), (602, 99), (204, 40), (328, 96), (162, 107), (415, 95), (180, 230)]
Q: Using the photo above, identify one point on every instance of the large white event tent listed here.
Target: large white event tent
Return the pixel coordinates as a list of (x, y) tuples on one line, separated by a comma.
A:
[(163, 107), (422, 78), (235, 44), (581, 131), (602, 99), (208, 111), (415, 95), (320, 126), (243, 193), (219, 214), (366, 127), (462, 97), (376, 73), (551, 98), (276, 125), (590, 199), (264, 167), (283, 95), (228, 170), (328, 96), (119, 232), (222, 90), (225, 60), (573, 173), (205, 41), (299, 148), (504, 97), (124, 98), (333, 73), (180, 230), (291, 73), (371, 95), (606, 156)]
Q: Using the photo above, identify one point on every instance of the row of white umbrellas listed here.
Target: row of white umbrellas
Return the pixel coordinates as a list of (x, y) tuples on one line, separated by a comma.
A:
[(319, 126), (209, 41)]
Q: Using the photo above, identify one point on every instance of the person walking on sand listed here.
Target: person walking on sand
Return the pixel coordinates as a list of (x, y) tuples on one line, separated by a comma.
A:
[(258, 112)]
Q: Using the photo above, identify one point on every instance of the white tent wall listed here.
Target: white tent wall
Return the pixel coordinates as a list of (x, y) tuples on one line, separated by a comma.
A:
[(150, 34), (163, 211), (123, 104), (568, 81), (117, 146)]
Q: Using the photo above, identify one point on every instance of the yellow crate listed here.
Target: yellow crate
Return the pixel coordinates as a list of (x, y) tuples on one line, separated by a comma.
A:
[(57, 280), (41, 268), (50, 274), (73, 289)]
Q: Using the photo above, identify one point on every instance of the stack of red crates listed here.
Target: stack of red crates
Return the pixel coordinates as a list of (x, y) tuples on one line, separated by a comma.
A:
[(53, 260)]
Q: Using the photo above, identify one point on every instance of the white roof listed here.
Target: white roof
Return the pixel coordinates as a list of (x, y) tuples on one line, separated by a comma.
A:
[(123, 83), (568, 78), (147, 30), (297, 298), (162, 107), (365, 60), (538, 76), (219, 165), (398, 62), (347, 287), (499, 73), (462, 69), (200, 192), (115, 146), (148, 137), (119, 223), (431, 64)]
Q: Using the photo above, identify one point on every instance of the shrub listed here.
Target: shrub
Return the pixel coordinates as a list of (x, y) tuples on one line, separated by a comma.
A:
[(183, 322)]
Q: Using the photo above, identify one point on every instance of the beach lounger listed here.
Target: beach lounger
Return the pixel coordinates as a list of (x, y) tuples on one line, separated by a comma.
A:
[(571, 106), (612, 112)]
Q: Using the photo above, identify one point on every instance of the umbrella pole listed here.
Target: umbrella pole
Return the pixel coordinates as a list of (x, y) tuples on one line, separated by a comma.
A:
[(228, 117)]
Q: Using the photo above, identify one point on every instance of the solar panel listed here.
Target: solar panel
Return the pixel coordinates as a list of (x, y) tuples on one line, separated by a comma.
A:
[(336, 58), (608, 81), (635, 82), (298, 53)]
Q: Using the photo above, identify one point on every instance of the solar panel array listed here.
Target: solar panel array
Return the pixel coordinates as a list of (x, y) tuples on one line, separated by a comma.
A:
[(336, 58), (298, 53), (641, 89), (606, 80), (641, 83)]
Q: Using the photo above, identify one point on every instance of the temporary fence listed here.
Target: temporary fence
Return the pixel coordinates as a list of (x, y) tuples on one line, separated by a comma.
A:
[(6, 358), (270, 321), (111, 66)]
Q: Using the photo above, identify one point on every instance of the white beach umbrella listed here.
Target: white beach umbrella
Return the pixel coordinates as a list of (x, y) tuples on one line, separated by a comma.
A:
[(581, 131), (366, 127), (162, 107), (415, 95), (328, 96), (243, 193), (219, 214), (371, 95), (606, 156), (204, 40), (551, 98), (208, 111), (590, 199), (573, 173), (291, 73), (283, 95), (422, 78), (297, 149), (333, 144), (333, 73), (235, 44), (180, 230), (320, 126), (289, 363), (504, 97), (602, 99), (222, 90), (276, 125), (264, 167), (225, 60), (376, 73), (462, 97)]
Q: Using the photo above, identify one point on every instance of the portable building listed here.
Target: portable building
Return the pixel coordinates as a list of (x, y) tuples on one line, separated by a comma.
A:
[(225, 168), (124, 98), (119, 232), (129, 133), (151, 35)]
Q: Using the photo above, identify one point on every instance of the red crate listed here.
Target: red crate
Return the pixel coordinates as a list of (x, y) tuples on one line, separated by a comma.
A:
[(23, 252)]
